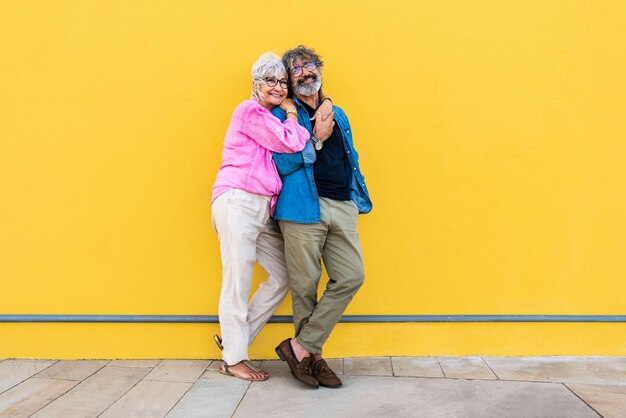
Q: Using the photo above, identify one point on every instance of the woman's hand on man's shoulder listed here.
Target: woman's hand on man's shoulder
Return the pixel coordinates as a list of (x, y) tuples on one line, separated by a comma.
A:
[(287, 105)]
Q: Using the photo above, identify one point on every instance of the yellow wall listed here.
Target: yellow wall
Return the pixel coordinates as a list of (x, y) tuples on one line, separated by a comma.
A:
[(491, 134)]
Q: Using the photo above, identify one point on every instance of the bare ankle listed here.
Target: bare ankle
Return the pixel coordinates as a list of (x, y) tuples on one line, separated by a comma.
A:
[(298, 350)]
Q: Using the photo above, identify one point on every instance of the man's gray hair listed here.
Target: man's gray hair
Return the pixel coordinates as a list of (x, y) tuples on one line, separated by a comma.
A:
[(268, 65), (305, 54)]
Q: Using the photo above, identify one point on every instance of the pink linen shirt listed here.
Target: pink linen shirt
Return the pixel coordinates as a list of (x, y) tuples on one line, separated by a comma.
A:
[(253, 134)]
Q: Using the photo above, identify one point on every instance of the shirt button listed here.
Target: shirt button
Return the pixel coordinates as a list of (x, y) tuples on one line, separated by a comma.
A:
[(348, 152), (354, 169)]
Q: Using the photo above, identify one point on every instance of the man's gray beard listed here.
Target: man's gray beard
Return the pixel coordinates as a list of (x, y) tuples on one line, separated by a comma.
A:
[(309, 89)]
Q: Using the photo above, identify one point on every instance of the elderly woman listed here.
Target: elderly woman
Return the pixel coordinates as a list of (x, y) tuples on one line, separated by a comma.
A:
[(244, 197)]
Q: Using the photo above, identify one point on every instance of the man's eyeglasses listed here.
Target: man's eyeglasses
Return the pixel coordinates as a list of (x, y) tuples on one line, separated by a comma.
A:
[(309, 66), (271, 82)]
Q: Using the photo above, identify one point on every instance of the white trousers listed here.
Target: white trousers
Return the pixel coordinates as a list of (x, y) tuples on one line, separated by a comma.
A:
[(247, 234)]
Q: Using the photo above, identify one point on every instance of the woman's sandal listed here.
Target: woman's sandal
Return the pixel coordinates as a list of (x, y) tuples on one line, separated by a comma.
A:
[(218, 341), (224, 368)]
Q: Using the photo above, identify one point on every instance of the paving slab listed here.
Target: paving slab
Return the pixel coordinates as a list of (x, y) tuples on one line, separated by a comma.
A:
[(368, 366), (214, 366), (95, 394), (608, 401), (13, 372), (466, 368), (274, 366), (377, 396), (416, 367), (134, 363), (212, 396), (148, 399), (31, 395), (72, 369), (179, 370), (591, 370)]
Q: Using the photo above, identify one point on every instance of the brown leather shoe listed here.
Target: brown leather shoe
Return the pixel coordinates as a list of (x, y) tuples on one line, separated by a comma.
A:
[(324, 374), (301, 370)]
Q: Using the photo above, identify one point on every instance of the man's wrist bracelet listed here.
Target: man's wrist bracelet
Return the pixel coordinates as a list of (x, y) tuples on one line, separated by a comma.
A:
[(293, 112), (325, 98)]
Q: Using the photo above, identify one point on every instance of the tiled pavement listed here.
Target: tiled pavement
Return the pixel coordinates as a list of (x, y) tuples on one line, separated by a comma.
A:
[(373, 387)]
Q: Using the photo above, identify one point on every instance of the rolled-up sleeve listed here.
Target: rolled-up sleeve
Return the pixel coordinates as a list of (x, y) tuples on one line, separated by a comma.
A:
[(288, 163)]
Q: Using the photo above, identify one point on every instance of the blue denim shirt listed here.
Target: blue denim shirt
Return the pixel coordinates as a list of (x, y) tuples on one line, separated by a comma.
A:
[(298, 201)]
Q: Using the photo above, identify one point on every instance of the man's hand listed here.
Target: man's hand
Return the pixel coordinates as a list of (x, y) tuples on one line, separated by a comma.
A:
[(325, 109), (323, 126)]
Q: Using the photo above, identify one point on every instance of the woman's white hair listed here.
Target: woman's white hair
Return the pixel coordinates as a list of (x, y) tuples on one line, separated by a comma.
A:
[(268, 65)]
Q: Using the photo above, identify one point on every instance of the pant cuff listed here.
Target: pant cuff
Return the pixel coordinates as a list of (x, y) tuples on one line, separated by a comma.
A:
[(236, 361), (308, 347)]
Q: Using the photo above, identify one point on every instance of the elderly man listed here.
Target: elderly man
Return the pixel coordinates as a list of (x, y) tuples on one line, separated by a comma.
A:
[(323, 192)]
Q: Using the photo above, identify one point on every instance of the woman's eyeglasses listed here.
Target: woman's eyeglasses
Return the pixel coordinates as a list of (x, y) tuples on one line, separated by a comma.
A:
[(309, 66), (271, 82)]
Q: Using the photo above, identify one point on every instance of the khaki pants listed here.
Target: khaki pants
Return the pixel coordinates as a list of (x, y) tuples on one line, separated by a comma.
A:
[(335, 240), (247, 234)]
